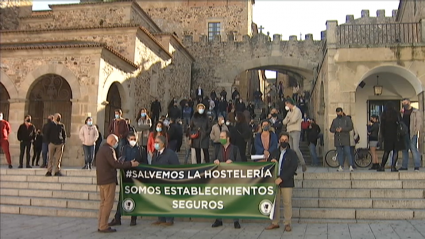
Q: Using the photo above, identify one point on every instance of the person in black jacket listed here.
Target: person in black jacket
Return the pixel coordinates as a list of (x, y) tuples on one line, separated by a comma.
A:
[(175, 135), (373, 136), (164, 156), (37, 146), (45, 145), (155, 110), (287, 162), (313, 132), (228, 153), (26, 135), (201, 125), (56, 136), (131, 151), (241, 134)]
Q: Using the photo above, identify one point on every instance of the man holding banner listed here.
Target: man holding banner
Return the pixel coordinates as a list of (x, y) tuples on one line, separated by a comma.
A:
[(287, 161), (227, 153), (164, 156)]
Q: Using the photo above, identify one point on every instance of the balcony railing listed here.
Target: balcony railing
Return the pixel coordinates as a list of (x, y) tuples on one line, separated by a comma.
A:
[(376, 34)]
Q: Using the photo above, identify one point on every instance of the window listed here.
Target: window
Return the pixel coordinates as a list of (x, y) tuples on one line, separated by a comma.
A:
[(213, 30)]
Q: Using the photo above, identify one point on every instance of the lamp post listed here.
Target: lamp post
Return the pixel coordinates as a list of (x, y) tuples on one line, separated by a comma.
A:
[(377, 89)]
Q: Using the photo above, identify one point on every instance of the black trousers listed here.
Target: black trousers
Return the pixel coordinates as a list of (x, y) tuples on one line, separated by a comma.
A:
[(25, 147), (198, 155), (36, 155)]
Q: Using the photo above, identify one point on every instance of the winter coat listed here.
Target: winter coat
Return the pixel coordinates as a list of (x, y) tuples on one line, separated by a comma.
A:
[(313, 133), (143, 126), (389, 134), (416, 119), (215, 132), (26, 133), (342, 138), (293, 120), (202, 124), (374, 132), (88, 135), (4, 130)]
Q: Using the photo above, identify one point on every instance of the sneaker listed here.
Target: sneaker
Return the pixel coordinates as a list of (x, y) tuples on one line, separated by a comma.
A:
[(340, 169), (416, 169), (351, 169), (48, 174), (10, 166)]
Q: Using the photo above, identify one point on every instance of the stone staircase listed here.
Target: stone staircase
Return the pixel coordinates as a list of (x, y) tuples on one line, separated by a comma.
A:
[(319, 195)]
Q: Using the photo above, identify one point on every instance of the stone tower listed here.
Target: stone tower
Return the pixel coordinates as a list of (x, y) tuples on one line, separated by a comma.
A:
[(11, 10)]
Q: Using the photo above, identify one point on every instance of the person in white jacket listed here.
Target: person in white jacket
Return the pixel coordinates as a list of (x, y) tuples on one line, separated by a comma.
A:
[(293, 126), (88, 136)]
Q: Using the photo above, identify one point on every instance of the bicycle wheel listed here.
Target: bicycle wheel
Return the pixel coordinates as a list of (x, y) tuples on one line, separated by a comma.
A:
[(331, 159), (363, 160)]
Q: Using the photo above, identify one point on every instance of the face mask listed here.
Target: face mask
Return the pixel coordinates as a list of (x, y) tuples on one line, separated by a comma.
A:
[(132, 143), (222, 122), (284, 145), (1, 117), (286, 108), (274, 115), (406, 106), (89, 123), (266, 128), (115, 145), (117, 116), (227, 123), (339, 116), (28, 120), (223, 141), (158, 129), (201, 111), (143, 114), (156, 145)]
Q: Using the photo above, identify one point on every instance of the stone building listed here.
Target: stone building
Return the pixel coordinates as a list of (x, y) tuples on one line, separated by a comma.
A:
[(86, 59)]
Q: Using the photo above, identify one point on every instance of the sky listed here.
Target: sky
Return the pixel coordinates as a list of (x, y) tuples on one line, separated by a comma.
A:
[(294, 17)]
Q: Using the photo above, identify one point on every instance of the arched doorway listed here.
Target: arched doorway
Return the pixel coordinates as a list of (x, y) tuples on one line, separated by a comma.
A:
[(50, 94), (4, 102), (114, 102)]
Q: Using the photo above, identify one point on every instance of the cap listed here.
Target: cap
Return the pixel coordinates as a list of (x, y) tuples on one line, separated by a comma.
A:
[(339, 109)]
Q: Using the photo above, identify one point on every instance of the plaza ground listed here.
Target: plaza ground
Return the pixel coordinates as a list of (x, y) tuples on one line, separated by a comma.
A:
[(22, 227)]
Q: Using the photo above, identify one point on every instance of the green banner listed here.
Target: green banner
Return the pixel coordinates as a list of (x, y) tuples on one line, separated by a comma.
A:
[(236, 190)]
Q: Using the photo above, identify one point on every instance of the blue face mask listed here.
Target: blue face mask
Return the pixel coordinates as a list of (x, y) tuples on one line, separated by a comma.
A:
[(156, 145), (117, 116), (143, 114), (115, 145), (201, 111), (89, 123), (158, 129)]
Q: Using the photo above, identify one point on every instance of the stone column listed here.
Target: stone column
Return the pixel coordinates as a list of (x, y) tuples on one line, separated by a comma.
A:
[(422, 22), (331, 33), (16, 118), (421, 140)]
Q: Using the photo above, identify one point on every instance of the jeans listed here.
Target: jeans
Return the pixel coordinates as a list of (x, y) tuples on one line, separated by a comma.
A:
[(186, 122), (88, 154), (224, 114), (313, 153), (294, 142), (344, 151), (44, 152), (25, 147), (411, 143), (166, 219)]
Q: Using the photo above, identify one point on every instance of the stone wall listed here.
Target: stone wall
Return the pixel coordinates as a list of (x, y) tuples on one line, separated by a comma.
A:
[(11, 10), (192, 17), (412, 11)]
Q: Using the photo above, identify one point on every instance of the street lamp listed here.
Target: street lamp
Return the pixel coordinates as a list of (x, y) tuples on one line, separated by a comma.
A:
[(377, 89)]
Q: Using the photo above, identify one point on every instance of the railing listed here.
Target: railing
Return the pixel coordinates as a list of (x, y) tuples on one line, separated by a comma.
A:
[(375, 34)]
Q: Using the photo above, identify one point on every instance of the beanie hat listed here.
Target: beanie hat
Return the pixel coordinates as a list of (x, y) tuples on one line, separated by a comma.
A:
[(290, 101)]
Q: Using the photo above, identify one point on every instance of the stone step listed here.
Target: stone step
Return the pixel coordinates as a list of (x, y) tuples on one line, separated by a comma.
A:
[(51, 202), (358, 193)]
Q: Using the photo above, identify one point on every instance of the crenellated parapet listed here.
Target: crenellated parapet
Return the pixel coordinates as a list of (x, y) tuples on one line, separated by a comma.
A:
[(367, 19)]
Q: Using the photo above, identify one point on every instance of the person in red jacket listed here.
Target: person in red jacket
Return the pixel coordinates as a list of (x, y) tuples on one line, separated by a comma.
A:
[(4, 138)]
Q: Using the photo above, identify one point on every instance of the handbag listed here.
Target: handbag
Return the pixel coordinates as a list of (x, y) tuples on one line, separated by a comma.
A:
[(401, 128), (194, 134)]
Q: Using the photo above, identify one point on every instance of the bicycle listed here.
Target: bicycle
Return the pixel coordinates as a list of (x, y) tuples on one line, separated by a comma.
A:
[(362, 158)]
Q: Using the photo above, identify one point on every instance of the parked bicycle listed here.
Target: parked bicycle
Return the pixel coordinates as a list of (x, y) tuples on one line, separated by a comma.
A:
[(362, 158)]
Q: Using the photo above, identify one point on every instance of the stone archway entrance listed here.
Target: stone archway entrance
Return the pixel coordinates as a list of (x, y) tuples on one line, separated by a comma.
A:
[(50, 94), (114, 102), (4, 102)]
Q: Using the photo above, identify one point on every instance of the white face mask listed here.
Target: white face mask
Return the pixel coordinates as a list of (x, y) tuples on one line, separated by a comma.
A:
[(286, 108), (132, 143), (227, 123)]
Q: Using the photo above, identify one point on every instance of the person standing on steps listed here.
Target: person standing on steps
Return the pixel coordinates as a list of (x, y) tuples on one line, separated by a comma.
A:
[(413, 119), (37, 147), (215, 133), (313, 132), (155, 110), (341, 127), (88, 136), (26, 135), (286, 160), (390, 121), (56, 136), (106, 175), (130, 152), (240, 135), (119, 127), (228, 153), (4, 139), (45, 145), (265, 141), (200, 129), (293, 127), (373, 133)]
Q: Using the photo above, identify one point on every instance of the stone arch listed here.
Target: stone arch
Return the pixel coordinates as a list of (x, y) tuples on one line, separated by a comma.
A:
[(49, 94), (397, 70), (4, 101), (56, 69), (9, 85)]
